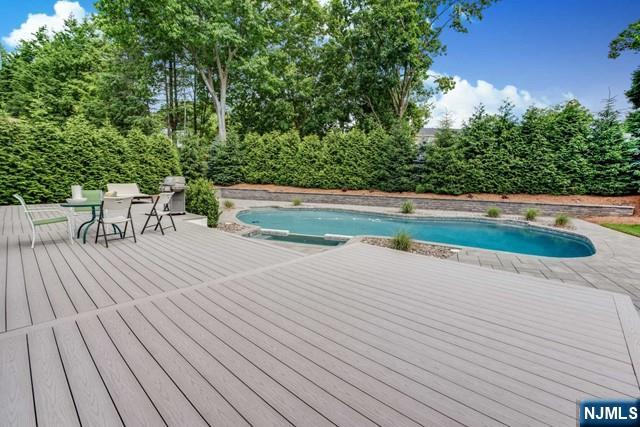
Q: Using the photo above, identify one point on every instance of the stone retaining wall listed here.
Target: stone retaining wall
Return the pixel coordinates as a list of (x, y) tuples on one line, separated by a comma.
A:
[(468, 205)]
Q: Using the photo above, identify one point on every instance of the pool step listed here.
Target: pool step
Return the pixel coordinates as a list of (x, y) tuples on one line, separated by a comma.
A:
[(274, 232), (337, 237)]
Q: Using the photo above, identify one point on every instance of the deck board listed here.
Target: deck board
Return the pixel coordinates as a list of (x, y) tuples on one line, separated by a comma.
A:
[(92, 400), (199, 327), (53, 401), (133, 403), (4, 259), (16, 398), (17, 302)]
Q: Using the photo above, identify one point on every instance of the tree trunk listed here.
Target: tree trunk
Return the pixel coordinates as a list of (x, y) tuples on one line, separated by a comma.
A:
[(195, 104), (219, 102)]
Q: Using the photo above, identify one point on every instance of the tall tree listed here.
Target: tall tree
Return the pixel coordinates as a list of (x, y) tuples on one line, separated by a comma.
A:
[(610, 154), (381, 52), (219, 37), (76, 71)]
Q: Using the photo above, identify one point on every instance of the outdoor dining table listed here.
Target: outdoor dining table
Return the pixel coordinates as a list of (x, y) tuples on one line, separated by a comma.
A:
[(95, 206)]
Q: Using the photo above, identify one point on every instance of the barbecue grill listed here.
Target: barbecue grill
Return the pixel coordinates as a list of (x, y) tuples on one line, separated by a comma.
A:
[(177, 185)]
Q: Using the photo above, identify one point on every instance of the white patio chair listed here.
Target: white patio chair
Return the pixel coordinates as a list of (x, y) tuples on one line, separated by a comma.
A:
[(115, 211), (37, 222), (161, 208)]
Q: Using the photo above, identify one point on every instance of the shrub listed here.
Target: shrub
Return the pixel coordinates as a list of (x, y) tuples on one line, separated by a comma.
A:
[(407, 207), (562, 220), (228, 204), (494, 212), (421, 188), (531, 214), (226, 161), (201, 200), (296, 202), (401, 241)]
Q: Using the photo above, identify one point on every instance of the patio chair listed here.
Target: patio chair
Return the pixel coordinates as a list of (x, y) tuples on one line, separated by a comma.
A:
[(127, 190), (37, 222), (161, 208), (115, 211)]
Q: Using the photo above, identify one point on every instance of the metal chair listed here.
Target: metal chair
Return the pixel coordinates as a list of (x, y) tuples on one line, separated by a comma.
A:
[(160, 209), (115, 211), (36, 222)]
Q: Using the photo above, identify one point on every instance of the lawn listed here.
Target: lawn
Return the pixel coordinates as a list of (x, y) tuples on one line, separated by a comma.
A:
[(633, 229)]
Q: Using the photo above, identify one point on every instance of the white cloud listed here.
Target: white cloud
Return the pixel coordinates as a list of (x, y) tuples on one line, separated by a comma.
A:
[(63, 10), (465, 97)]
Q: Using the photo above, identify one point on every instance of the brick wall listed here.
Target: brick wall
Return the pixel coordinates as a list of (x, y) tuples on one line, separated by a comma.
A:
[(468, 205)]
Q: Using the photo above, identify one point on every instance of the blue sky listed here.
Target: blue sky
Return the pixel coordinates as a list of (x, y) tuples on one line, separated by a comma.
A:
[(551, 49), (530, 51)]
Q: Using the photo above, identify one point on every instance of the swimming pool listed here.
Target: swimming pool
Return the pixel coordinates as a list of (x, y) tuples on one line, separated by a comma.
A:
[(478, 233)]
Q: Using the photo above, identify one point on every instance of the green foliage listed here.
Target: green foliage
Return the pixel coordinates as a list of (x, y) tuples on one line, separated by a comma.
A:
[(611, 155), (228, 204), (401, 241), (377, 55), (629, 39), (353, 160), (41, 160), (531, 214), (76, 71), (407, 207), (561, 150), (562, 220), (633, 94), (226, 161), (194, 155), (296, 202), (201, 200), (494, 212)]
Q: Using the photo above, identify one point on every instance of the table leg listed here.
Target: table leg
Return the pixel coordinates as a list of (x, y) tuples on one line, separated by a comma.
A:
[(87, 225)]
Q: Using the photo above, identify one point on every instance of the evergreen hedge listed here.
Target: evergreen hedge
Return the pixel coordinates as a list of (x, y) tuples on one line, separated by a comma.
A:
[(353, 159), (550, 151), (40, 159), (563, 150)]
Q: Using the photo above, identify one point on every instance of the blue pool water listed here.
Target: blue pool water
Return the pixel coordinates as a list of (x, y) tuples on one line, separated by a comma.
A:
[(485, 234)]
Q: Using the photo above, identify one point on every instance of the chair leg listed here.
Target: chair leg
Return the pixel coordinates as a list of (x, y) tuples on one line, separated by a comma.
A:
[(71, 227), (146, 223), (133, 231), (124, 234), (104, 232), (173, 223), (160, 224), (98, 231)]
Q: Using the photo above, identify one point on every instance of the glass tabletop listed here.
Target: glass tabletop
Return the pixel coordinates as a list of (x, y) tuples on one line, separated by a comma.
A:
[(86, 204)]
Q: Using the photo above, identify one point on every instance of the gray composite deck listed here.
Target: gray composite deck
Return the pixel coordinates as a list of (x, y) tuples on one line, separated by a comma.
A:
[(200, 327)]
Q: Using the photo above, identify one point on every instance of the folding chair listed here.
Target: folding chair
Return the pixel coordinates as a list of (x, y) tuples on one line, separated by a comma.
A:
[(115, 211), (160, 209)]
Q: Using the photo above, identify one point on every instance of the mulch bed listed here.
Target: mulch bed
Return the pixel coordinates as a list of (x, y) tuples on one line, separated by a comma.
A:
[(416, 248), (633, 200)]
